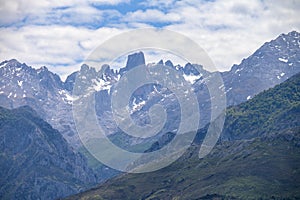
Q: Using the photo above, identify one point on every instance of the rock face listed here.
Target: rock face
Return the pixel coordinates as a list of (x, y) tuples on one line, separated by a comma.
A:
[(135, 60), (36, 162), (70, 81), (43, 91), (271, 64)]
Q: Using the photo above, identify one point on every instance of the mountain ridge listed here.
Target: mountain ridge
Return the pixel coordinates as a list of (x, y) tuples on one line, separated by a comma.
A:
[(262, 166), (53, 99)]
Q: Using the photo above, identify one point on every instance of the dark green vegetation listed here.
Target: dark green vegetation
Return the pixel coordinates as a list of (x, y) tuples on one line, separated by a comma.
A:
[(271, 111), (258, 157), (35, 161)]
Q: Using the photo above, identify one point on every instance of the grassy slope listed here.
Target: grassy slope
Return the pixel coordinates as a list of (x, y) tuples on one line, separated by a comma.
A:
[(244, 169)]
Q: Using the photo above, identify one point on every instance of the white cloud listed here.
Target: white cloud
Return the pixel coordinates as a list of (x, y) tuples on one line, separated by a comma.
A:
[(75, 12), (151, 15), (53, 46), (17, 10), (231, 30), (110, 2), (158, 3), (59, 34)]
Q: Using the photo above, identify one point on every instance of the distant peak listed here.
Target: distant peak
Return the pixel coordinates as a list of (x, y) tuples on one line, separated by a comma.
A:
[(161, 62), (188, 65), (84, 67), (135, 60), (13, 62), (169, 63), (294, 34), (43, 68)]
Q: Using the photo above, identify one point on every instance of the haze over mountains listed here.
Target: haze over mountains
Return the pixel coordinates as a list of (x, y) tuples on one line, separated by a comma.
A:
[(51, 99)]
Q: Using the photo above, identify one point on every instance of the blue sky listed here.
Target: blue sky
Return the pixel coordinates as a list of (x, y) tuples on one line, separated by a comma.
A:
[(61, 34)]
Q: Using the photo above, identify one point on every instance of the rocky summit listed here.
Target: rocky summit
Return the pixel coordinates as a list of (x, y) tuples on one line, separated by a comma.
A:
[(272, 63)]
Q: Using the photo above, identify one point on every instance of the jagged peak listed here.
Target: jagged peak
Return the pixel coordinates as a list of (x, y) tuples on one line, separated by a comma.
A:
[(12, 62), (293, 34), (43, 69), (169, 63), (135, 59), (84, 67), (188, 65), (286, 37)]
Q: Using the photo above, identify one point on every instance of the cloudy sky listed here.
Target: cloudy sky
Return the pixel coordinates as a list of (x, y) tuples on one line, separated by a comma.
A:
[(61, 34)]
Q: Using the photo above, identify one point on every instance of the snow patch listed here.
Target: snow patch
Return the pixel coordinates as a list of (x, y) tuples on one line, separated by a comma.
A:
[(238, 70), (222, 87), (3, 64), (137, 106), (283, 60), (69, 97), (98, 84), (66, 96), (228, 90), (20, 83), (101, 85), (191, 78)]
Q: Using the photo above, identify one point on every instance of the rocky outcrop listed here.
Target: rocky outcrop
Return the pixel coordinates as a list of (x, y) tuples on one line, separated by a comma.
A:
[(36, 161)]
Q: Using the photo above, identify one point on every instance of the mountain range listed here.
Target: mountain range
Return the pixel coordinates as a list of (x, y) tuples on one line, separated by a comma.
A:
[(257, 157), (51, 99)]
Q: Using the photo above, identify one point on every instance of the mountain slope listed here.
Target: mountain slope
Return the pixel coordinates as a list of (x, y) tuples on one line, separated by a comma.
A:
[(263, 165), (271, 64), (274, 110), (260, 168), (42, 90), (35, 160)]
